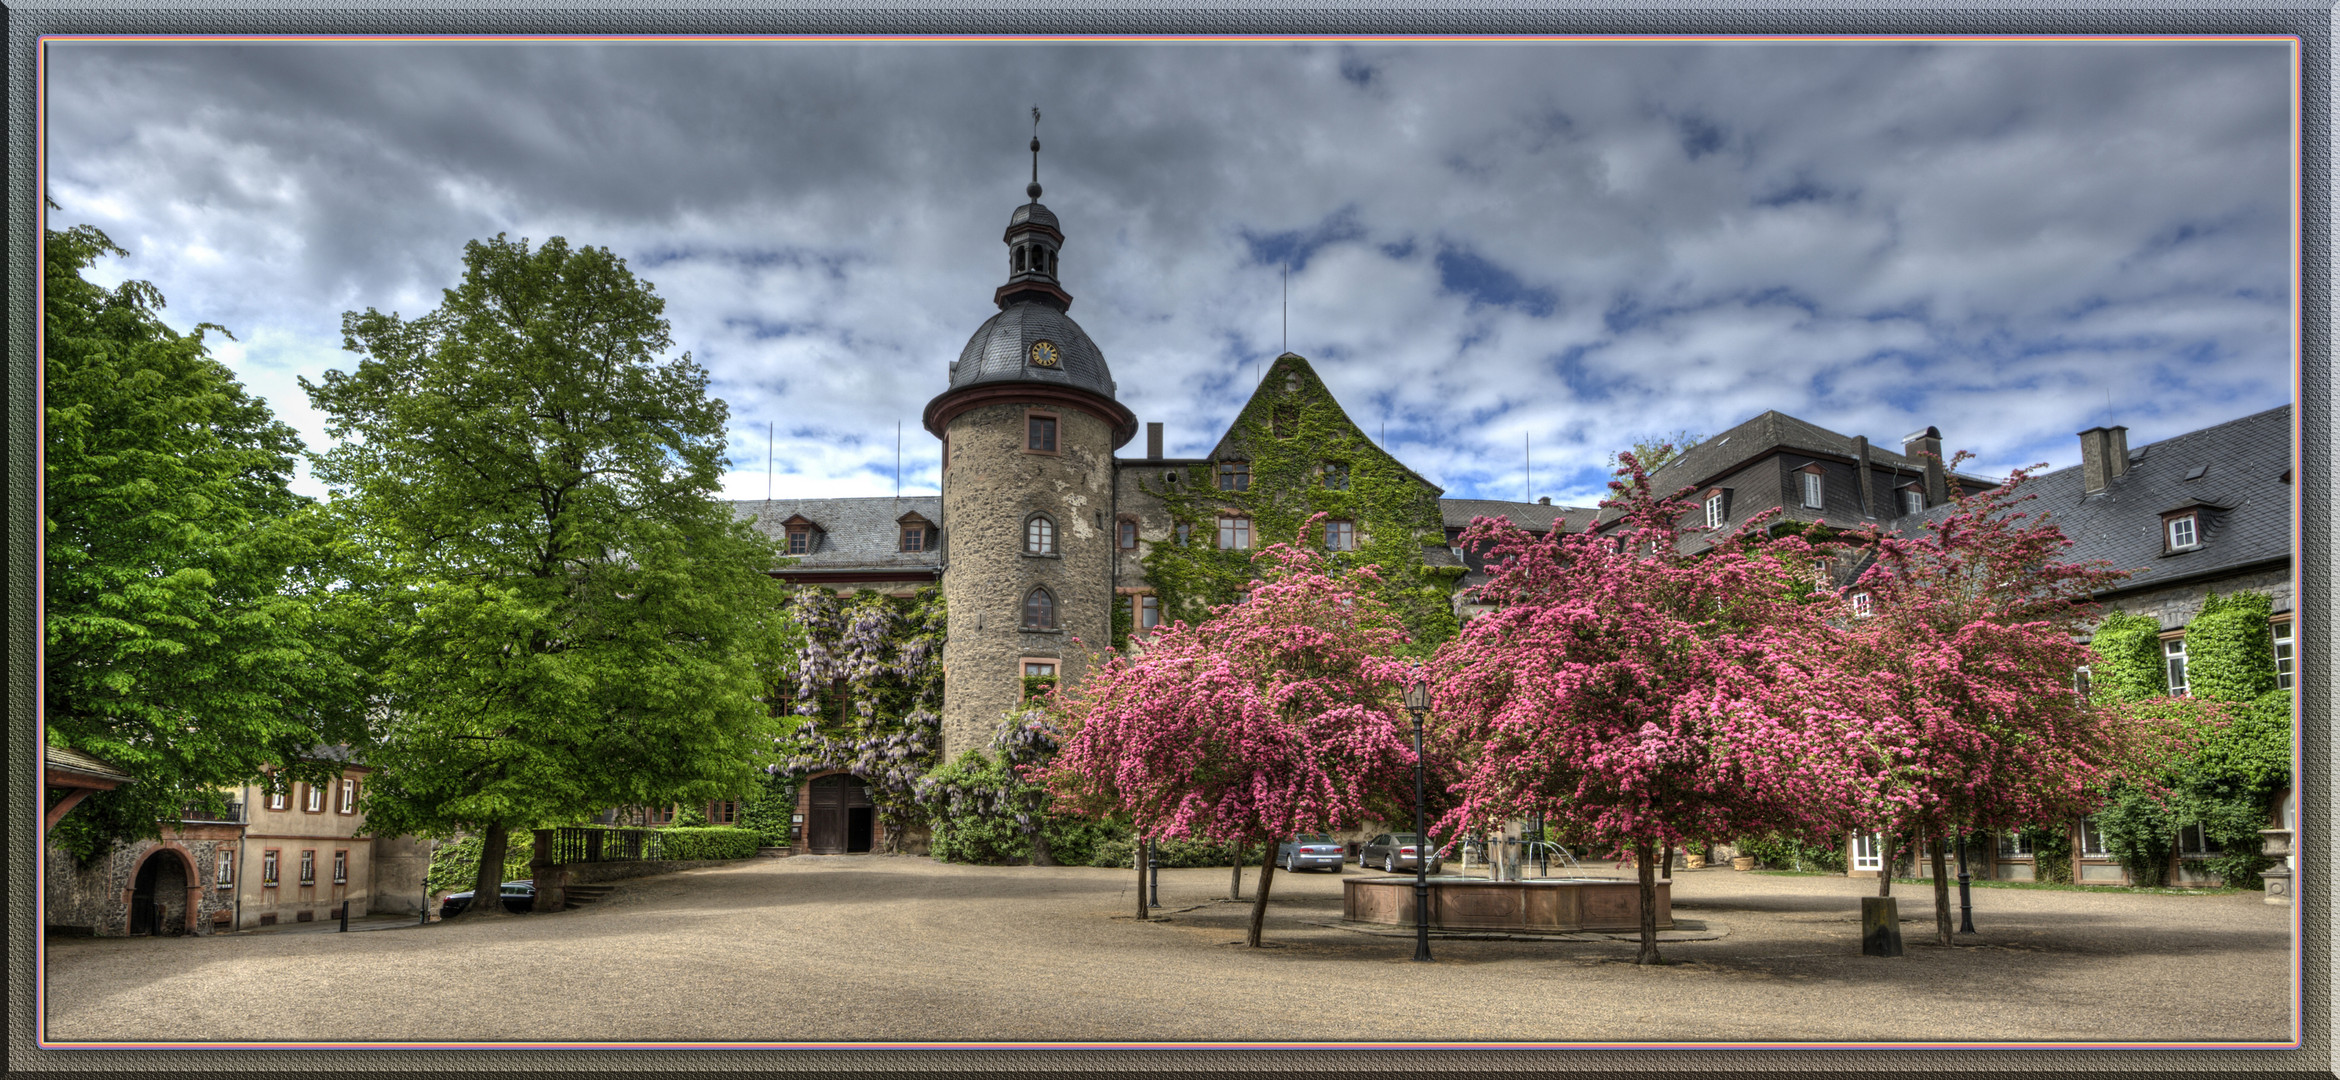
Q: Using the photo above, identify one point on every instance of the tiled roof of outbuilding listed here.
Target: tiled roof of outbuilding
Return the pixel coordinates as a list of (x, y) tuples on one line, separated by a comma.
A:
[(1534, 517), (2241, 467), (856, 534)]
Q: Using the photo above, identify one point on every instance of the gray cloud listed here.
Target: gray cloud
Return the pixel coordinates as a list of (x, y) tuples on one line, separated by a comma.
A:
[(1578, 243)]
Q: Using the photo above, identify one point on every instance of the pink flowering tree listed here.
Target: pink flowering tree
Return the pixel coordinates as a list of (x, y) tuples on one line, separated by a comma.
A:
[(1646, 694), (1958, 667), (1278, 714)]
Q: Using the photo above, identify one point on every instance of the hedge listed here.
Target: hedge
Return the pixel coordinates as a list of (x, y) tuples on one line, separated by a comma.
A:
[(707, 843)]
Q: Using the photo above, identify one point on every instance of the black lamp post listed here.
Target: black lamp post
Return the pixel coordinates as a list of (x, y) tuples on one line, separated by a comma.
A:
[(1417, 700), (1965, 900)]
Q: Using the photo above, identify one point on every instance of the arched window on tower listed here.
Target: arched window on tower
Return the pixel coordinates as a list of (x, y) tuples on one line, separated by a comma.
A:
[(1039, 610), (1039, 535), (1051, 264), (1019, 261)]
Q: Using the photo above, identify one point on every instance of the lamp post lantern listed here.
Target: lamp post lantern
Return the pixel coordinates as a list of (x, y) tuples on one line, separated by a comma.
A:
[(1418, 700)]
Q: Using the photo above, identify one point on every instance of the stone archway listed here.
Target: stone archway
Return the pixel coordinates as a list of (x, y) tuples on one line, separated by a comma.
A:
[(162, 893)]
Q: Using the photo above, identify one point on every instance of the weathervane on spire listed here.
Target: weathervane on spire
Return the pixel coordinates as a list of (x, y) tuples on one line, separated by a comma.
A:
[(1033, 189)]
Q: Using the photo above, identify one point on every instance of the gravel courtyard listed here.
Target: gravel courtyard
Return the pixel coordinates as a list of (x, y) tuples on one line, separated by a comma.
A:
[(873, 948)]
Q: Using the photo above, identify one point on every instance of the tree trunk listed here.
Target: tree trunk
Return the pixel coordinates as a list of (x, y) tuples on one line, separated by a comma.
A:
[(1144, 847), (1645, 853), (1267, 874), (1041, 855), (487, 887), (1885, 863), (1666, 861), (1942, 926), (1235, 882)]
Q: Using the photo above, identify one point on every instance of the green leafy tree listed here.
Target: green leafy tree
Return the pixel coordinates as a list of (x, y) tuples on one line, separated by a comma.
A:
[(193, 634), (1658, 451), (572, 620)]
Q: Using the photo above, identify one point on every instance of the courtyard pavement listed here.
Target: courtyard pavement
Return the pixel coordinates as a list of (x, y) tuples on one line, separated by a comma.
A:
[(876, 948)]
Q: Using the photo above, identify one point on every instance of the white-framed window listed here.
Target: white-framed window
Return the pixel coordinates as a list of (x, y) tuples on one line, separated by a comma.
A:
[(348, 795), (1039, 535), (2282, 656), (1714, 510), (2092, 840), (2013, 845), (1868, 852), (315, 801), (308, 867), (2182, 534), (268, 862), (1039, 669), (276, 797), (341, 868), (1913, 502), (2174, 652), (1860, 605), (2080, 682), (223, 872), (1812, 490)]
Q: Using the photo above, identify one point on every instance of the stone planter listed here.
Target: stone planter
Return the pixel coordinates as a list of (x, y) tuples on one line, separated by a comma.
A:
[(1743, 862), (1537, 905), (1694, 862)]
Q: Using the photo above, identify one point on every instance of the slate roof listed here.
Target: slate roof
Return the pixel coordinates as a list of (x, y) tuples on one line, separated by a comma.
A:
[(1771, 432), (2242, 465), (71, 760), (1534, 517), (1001, 349), (856, 534)]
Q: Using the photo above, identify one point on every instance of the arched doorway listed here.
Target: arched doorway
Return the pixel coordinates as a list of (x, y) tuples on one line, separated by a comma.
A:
[(843, 819), (158, 894)]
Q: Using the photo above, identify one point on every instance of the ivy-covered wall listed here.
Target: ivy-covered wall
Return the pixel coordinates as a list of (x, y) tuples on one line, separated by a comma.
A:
[(1286, 437), (867, 677)]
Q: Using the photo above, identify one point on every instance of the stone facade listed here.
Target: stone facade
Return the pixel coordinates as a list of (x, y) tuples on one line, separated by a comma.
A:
[(103, 897), (2176, 605), (991, 489)]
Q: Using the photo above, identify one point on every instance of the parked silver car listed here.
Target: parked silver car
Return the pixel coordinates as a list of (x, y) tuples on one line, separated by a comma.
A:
[(1311, 851), (1394, 852)]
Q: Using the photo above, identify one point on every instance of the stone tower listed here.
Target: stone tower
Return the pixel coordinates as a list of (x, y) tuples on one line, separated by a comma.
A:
[(1029, 426)]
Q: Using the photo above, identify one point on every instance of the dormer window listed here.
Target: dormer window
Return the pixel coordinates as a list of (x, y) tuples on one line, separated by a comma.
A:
[(1860, 606), (914, 538), (1715, 515), (801, 536), (1913, 501), (2183, 532), (1812, 487)]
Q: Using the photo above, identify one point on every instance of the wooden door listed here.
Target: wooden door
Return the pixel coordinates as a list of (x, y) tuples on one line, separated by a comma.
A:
[(824, 828)]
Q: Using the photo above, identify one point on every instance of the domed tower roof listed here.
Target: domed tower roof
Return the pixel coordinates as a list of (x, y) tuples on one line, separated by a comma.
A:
[(1032, 345)]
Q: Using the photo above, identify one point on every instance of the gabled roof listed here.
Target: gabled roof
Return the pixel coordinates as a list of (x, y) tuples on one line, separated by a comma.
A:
[(1702, 465), (67, 759), (856, 534), (1291, 364), (2242, 463)]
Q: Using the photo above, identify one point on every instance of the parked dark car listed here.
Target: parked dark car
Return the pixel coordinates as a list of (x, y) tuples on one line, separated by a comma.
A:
[(1311, 851), (1393, 852), (519, 899)]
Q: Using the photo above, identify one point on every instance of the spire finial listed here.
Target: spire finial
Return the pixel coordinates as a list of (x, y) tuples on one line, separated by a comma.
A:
[(1033, 189)]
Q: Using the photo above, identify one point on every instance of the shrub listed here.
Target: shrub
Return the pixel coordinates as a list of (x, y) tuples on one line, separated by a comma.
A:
[(455, 863), (707, 842), (2140, 831), (1788, 853), (766, 807), (2051, 852), (1174, 853), (2230, 651), (978, 824), (2127, 663)]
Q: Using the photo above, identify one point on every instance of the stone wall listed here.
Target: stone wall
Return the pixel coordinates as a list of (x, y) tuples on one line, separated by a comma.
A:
[(2176, 605), (400, 865), (992, 485), (96, 899)]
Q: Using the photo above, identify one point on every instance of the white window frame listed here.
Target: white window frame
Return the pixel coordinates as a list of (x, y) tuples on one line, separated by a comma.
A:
[(1815, 491), (2080, 680), (1913, 502), (1868, 852), (308, 866), (1860, 606), (1714, 510), (2283, 655), (2190, 526), (348, 795), (2013, 845), (271, 867), (277, 798), (341, 866), (223, 874), (1039, 535), (315, 803), (2200, 846), (1050, 665), (2088, 830), (2173, 660)]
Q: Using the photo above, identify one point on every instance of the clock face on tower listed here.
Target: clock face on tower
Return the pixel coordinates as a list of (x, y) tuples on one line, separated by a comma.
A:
[(1044, 354)]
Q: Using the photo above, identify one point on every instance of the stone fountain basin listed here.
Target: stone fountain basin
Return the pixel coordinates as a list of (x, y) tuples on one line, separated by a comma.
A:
[(1537, 905)]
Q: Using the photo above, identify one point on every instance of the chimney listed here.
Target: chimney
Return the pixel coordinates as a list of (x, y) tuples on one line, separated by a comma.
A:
[(1868, 486), (1545, 501), (2104, 457), (1154, 440), (1929, 442)]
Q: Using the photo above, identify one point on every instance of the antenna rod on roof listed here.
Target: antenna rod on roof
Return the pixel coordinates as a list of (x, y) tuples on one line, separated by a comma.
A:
[(770, 426), (898, 451), (1527, 458), (1287, 305)]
